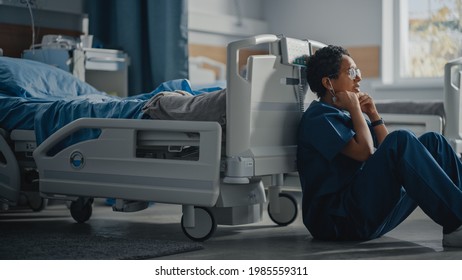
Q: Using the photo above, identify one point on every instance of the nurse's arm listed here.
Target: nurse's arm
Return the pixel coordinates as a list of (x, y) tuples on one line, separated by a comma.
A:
[(361, 146), (381, 132)]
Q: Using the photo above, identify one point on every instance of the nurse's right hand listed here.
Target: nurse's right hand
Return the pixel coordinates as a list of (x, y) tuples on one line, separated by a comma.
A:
[(347, 100)]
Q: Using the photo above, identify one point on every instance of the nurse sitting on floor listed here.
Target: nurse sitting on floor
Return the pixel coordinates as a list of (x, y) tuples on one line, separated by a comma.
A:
[(358, 181)]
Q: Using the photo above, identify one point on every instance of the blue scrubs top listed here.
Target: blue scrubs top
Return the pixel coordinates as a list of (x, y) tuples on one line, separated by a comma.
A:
[(324, 171)]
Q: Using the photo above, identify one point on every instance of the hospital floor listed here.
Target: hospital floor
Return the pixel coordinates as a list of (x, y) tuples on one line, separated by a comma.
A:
[(417, 238)]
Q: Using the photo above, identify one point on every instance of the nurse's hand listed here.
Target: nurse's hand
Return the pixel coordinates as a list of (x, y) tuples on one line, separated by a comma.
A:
[(347, 100), (368, 105)]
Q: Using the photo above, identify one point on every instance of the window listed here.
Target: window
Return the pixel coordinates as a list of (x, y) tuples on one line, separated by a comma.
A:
[(421, 36)]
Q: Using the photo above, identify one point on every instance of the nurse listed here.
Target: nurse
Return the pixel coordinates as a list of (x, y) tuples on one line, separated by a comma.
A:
[(359, 181)]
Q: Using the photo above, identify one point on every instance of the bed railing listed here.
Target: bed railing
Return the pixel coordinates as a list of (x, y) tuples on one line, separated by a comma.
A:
[(109, 166), (453, 103), (262, 112)]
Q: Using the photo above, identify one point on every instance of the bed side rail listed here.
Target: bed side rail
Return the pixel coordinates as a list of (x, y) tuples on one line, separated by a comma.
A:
[(419, 124), (453, 103), (10, 178), (109, 166)]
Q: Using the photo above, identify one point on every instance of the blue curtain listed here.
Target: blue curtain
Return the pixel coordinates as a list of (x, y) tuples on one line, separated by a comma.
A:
[(154, 34)]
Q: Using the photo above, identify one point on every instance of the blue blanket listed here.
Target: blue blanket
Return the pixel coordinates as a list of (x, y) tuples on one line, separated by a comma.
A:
[(36, 96)]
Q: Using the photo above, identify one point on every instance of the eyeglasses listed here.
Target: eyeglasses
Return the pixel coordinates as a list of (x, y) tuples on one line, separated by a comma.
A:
[(353, 73)]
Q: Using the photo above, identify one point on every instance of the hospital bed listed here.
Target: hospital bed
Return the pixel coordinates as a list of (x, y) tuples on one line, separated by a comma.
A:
[(217, 180), (435, 115)]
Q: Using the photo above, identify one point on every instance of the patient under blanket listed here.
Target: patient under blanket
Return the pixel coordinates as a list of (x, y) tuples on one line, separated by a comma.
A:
[(36, 96), (164, 105)]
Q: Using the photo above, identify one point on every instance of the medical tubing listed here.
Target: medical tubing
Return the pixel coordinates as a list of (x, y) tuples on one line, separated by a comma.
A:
[(32, 23), (301, 91)]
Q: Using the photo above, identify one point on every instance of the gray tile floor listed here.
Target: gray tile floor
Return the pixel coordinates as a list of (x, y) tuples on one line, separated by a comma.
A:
[(417, 238)]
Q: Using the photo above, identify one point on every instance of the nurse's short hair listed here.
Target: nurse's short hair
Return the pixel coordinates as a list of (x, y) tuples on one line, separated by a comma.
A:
[(325, 62)]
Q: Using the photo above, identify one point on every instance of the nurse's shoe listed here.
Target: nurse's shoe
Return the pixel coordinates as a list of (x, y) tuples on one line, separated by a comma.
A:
[(453, 239)]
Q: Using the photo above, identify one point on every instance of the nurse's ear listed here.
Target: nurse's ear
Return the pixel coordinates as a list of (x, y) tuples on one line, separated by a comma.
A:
[(327, 84)]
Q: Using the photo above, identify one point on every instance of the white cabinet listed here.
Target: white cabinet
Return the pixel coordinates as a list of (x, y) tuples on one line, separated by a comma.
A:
[(107, 70)]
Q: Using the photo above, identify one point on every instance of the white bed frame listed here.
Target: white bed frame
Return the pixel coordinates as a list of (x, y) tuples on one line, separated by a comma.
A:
[(451, 128), (219, 186), (453, 103), (418, 124)]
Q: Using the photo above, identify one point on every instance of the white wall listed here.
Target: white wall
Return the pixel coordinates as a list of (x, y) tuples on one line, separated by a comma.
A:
[(340, 22), (218, 22), (248, 8), (352, 23)]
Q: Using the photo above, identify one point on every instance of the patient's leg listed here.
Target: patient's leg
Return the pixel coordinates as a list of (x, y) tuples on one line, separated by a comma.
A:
[(209, 106)]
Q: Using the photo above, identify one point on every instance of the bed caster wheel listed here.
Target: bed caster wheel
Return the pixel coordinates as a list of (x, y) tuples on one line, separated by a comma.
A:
[(205, 225), (81, 209), (4, 207), (288, 210), (36, 202)]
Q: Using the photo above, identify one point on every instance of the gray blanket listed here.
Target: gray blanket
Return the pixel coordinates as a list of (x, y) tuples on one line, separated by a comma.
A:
[(181, 105)]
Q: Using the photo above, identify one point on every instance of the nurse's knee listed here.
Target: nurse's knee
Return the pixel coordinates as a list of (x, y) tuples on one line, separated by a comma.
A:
[(401, 136), (398, 140), (433, 140), (431, 137)]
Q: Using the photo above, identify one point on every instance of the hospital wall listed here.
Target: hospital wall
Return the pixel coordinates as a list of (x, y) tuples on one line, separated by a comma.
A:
[(354, 24), (212, 24), (218, 22)]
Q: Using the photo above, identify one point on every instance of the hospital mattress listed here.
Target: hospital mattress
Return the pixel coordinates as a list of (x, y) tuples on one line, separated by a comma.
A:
[(424, 107), (416, 116), (442, 116)]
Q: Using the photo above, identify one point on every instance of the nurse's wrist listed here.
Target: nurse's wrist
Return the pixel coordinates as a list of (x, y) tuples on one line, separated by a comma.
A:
[(377, 123), (374, 117)]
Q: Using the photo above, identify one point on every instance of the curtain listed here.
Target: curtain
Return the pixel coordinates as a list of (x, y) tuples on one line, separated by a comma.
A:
[(154, 34)]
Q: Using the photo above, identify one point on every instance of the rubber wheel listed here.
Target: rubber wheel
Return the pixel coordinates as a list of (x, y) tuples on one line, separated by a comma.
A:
[(36, 202), (205, 225), (288, 210), (81, 209)]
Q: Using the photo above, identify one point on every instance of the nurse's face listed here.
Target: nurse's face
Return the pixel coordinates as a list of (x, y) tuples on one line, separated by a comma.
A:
[(349, 76)]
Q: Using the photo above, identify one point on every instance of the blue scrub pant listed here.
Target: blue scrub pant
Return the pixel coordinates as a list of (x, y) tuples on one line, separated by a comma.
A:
[(405, 172)]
